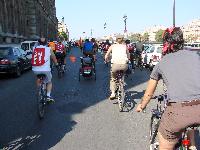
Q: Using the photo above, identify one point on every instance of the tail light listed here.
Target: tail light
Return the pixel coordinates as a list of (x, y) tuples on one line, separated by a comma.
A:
[(4, 62), (186, 142)]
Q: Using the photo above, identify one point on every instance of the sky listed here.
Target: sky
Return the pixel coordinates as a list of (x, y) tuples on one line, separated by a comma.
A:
[(86, 15)]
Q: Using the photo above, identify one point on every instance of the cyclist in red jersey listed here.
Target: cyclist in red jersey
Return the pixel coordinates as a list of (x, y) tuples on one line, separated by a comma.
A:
[(61, 52)]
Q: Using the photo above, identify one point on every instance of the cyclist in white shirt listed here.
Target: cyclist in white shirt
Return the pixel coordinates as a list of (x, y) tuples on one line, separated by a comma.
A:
[(119, 61), (41, 64)]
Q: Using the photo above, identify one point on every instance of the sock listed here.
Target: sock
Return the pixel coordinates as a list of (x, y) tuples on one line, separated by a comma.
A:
[(48, 94)]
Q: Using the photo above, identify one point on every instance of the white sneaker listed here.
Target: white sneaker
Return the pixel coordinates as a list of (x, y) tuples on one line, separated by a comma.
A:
[(192, 148), (112, 96)]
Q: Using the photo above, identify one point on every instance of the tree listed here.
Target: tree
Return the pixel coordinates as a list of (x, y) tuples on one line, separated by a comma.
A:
[(135, 37), (63, 35), (159, 34), (145, 37)]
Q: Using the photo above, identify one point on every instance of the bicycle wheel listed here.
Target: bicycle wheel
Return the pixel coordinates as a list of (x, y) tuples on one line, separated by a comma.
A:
[(41, 102), (154, 124), (140, 66), (60, 71), (121, 97)]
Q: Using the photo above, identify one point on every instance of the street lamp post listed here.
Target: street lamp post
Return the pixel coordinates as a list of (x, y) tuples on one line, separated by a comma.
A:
[(125, 18), (91, 33), (174, 13)]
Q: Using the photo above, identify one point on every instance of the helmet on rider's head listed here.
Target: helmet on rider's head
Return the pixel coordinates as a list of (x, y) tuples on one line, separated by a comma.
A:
[(93, 40), (42, 41), (107, 41), (127, 41), (119, 39), (172, 40)]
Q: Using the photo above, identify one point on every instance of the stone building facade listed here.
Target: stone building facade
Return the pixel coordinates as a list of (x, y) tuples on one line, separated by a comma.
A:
[(27, 20)]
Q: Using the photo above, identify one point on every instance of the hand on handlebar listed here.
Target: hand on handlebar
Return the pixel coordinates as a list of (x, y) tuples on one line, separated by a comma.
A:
[(140, 108)]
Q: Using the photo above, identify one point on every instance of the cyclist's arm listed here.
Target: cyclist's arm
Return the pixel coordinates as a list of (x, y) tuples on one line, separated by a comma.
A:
[(151, 87), (128, 54), (108, 52), (53, 57)]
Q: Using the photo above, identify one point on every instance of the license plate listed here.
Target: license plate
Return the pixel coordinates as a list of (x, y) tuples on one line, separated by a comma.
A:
[(87, 71)]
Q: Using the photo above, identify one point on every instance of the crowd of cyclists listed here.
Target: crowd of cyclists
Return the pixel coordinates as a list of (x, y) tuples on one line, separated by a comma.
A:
[(180, 77)]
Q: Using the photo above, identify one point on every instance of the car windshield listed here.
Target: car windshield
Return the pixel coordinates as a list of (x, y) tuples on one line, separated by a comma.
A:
[(25, 46), (33, 44), (5, 51), (150, 49), (159, 50)]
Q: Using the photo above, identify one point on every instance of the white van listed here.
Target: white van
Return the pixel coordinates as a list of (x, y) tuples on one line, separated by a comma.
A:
[(27, 46)]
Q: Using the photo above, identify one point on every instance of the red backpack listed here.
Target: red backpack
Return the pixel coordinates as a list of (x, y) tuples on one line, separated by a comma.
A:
[(38, 57)]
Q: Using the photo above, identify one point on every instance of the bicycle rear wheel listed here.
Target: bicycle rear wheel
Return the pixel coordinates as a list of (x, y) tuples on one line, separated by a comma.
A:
[(121, 96), (41, 102), (154, 124), (60, 72)]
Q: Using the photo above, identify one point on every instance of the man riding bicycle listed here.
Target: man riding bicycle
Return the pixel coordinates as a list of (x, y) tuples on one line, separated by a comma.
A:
[(182, 81), (61, 53), (41, 64), (119, 61), (88, 49), (105, 47), (138, 52)]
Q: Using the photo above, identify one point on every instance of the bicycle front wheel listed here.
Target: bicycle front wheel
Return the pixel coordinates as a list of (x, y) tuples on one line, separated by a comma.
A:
[(154, 124)]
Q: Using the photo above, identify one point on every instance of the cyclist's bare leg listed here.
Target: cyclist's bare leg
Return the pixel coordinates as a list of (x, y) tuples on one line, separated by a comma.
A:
[(165, 144), (191, 136), (49, 88), (38, 82)]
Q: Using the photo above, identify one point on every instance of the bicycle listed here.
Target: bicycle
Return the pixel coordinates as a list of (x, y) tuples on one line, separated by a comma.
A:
[(183, 143), (155, 121), (41, 95), (60, 68), (120, 93)]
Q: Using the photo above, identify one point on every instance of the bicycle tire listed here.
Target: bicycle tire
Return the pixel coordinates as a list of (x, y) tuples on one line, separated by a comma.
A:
[(60, 72), (121, 96), (154, 124), (41, 102)]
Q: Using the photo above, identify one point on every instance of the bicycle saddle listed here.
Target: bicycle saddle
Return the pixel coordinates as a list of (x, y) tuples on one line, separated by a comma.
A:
[(160, 98), (41, 76)]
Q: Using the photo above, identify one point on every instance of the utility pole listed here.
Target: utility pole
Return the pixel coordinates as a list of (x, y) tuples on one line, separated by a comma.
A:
[(174, 13)]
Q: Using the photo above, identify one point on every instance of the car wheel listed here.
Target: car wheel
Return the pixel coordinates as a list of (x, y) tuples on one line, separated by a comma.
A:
[(18, 72)]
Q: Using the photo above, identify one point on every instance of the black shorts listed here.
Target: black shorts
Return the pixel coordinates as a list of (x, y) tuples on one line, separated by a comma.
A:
[(60, 56)]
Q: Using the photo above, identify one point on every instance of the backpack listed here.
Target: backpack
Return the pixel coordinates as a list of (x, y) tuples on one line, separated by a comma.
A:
[(172, 40), (38, 57)]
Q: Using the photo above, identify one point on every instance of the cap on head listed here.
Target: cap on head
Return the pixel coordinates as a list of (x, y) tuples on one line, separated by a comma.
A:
[(119, 37)]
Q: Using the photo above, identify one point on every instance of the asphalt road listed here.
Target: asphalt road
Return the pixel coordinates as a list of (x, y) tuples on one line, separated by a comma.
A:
[(81, 119)]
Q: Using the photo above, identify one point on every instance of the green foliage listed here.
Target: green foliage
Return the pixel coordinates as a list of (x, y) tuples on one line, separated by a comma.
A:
[(159, 34), (145, 37), (135, 37), (63, 35)]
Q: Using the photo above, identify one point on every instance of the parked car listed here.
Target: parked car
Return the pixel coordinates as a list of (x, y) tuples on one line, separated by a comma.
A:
[(13, 60), (27, 46), (152, 56)]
